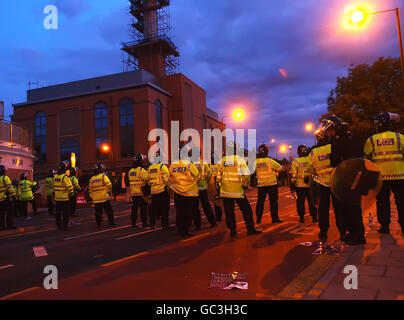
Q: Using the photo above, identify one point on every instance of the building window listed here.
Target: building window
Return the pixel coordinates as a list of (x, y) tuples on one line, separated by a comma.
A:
[(101, 128), (159, 114), (126, 128), (40, 136), (67, 147)]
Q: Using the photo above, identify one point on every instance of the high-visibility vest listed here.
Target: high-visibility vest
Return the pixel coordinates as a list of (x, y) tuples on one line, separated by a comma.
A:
[(184, 176), (158, 176), (320, 164), (25, 187), (386, 150), (49, 186), (6, 187), (266, 170), (233, 177), (75, 183), (99, 188), (62, 187), (137, 180), (300, 171), (17, 192), (204, 175)]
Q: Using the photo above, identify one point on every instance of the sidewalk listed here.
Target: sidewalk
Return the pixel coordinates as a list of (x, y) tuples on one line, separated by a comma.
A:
[(380, 265)]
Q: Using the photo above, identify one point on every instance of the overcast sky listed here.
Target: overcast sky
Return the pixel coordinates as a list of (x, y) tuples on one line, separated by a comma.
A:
[(277, 59)]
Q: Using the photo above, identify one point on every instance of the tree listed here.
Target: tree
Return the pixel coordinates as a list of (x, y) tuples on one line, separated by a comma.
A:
[(366, 91)]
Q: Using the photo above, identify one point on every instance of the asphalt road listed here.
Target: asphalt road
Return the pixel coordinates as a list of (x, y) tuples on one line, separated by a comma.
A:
[(126, 263)]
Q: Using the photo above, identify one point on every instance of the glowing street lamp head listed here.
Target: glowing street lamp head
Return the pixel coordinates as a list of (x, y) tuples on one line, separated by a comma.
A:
[(238, 115), (355, 16), (283, 148), (309, 127), (105, 148), (273, 140)]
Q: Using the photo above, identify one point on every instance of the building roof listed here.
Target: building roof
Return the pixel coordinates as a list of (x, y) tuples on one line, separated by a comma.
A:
[(107, 83)]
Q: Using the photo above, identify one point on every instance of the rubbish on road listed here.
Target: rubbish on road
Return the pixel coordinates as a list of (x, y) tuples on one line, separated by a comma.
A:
[(306, 244), (228, 280), (329, 249), (40, 252)]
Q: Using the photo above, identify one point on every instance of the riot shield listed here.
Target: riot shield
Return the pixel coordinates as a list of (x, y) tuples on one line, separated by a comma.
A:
[(314, 188), (356, 181)]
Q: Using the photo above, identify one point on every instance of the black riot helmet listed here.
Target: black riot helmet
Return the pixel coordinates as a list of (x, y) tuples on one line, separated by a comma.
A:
[(263, 151), (16, 182), (51, 173), (73, 171), (2, 170), (99, 168), (63, 166), (302, 151), (328, 124), (139, 161), (23, 176), (384, 121)]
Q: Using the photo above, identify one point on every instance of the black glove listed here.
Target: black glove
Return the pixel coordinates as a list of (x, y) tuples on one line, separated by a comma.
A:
[(306, 180)]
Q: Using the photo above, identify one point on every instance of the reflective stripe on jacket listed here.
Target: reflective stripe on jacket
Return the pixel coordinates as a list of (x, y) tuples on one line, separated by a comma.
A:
[(6, 187), (266, 170), (233, 177), (158, 176), (99, 188), (320, 164), (137, 180), (386, 150), (300, 171), (25, 187), (49, 186), (62, 187), (184, 177)]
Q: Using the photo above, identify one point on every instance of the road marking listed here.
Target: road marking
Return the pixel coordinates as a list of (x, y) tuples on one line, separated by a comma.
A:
[(288, 229), (196, 237), (98, 232), (275, 227), (125, 259), (139, 233), (8, 266), (19, 293), (40, 252)]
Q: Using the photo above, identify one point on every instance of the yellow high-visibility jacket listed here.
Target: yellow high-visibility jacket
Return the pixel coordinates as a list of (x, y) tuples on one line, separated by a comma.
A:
[(137, 180), (99, 188), (204, 172), (75, 183), (213, 171), (266, 169), (49, 186), (233, 177), (17, 192), (158, 176), (63, 187), (320, 164), (184, 177), (6, 187), (25, 187), (300, 171), (386, 150)]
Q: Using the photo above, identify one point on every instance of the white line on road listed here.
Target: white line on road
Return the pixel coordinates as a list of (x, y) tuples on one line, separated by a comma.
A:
[(290, 228), (275, 227), (125, 259), (6, 267), (19, 293), (40, 252), (98, 232), (138, 234), (196, 237)]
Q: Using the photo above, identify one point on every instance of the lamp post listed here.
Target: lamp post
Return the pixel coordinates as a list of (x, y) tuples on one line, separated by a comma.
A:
[(105, 148), (237, 115)]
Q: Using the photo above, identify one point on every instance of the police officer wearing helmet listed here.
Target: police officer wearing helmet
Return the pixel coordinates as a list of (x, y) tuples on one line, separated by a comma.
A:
[(233, 178), (7, 193), (16, 202), (99, 190), (266, 170), (138, 180), (76, 189), (319, 162), (386, 149), (26, 194), (300, 171), (213, 170), (49, 192), (63, 192), (345, 146)]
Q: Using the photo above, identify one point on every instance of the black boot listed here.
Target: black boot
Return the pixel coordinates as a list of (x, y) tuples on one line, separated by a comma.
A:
[(253, 231)]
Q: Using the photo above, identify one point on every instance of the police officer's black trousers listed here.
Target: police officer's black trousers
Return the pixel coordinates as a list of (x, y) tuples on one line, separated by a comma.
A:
[(51, 206), (6, 214), (272, 192), (24, 207), (107, 207), (302, 195), (207, 208), (62, 214), (324, 211), (73, 204), (184, 212), (160, 206), (139, 203), (17, 208), (244, 205), (383, 202), (218, 212)]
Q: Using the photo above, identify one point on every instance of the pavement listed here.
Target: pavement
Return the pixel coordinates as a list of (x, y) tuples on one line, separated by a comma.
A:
[(141, 264)]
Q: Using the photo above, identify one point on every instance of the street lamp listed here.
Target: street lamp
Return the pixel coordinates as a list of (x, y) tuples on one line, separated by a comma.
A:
[(105, 148), (309, 127), (357, 17), (237, 115)]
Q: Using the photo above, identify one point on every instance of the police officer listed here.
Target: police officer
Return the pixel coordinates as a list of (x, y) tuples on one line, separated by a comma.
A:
[(267, 183), (233, 178), (49, 192), (386, 149), (63, 192), (184, 177), (16, 202), (7, 194), (99, 188), (300, 172), (345, 146), (137, 180), (76, 189), (158, 176), (26, 194), (213, 171)]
